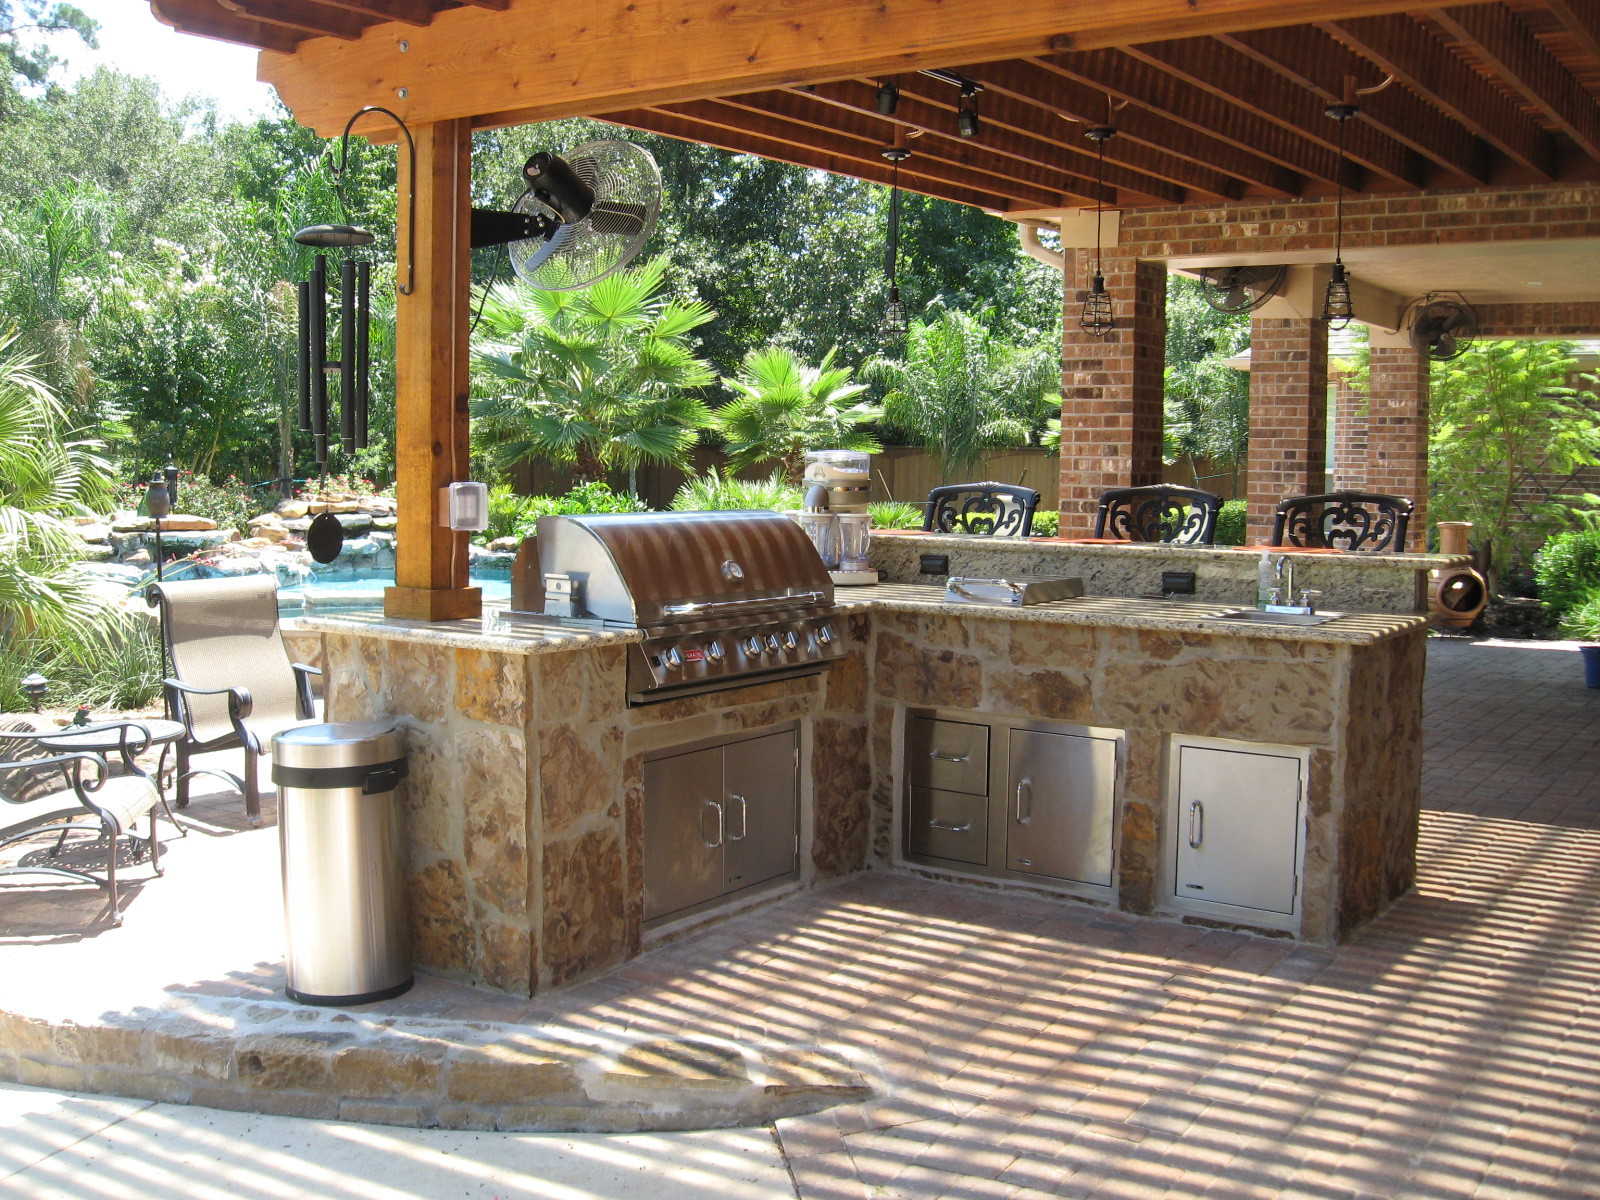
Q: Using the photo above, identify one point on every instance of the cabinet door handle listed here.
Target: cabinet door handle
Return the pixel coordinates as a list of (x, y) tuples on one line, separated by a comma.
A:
[(715, 805), (744, 818), (1197, 824), (1024, 819), (938, 824), (951, 758)]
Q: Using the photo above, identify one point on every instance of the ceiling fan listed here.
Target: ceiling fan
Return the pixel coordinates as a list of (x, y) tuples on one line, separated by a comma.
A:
[(1440, 328), (1241, 289)]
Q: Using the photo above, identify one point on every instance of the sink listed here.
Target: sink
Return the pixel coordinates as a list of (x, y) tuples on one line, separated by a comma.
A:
[(1255, 616)]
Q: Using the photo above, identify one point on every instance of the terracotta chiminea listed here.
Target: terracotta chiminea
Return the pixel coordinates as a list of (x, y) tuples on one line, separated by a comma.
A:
[(1456, 595)]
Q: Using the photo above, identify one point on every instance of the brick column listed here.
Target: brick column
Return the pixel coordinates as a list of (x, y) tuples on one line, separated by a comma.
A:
[(1349, 464), (1397, 433), (1111, 390), (1288, 415)]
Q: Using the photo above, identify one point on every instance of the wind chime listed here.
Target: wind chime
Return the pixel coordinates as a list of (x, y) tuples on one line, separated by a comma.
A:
[(894, 313), (1097, 318)]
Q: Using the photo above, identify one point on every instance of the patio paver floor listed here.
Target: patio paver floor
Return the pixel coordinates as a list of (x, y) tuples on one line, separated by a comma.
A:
[(1035, 1047)]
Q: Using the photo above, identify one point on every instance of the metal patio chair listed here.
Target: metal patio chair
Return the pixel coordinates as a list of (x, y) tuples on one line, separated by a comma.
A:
[(1366, 521), (1161, 512), (46, 795), (991, 509), (232, 682)]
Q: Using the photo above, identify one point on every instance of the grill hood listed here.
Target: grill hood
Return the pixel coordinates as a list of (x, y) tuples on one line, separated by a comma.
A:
[(654, 569)]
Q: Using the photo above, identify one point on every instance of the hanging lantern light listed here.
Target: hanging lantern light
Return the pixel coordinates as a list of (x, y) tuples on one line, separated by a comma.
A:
[(1337, 307), (894, 313), (1097, 319)]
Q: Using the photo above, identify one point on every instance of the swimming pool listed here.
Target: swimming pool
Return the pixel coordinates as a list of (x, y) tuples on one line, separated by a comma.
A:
[(367, 593)]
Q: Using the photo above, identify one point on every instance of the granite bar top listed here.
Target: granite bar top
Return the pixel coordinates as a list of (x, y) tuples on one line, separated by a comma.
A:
[(483, 633), (1222, 554), (1165, 616)]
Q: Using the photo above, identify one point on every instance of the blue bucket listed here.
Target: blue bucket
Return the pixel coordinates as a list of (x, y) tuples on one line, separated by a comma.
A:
[(1591, 665)]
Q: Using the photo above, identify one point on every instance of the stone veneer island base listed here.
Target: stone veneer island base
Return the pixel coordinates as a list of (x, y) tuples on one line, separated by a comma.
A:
[(525, 810)]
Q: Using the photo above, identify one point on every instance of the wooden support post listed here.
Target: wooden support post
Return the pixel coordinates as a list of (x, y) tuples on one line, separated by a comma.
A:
[(431, 427)]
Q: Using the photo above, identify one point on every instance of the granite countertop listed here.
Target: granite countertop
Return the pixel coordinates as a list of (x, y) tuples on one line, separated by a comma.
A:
[(1164, 616), (483, 633), (1227, 554)]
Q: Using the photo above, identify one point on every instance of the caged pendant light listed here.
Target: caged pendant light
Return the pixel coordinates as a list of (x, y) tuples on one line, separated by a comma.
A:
[(1097, 319), (894, 313), (1337, 308)]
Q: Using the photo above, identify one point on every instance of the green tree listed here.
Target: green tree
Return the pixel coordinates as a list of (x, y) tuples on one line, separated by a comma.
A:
[(781, 408), (960, 390), (1502, 416), (1207, 401), (602, 377), (25, 56)]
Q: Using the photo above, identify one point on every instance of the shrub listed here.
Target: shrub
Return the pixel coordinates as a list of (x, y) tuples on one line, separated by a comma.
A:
[(1567, 568), (895, 514), (123, 673), (717, 490), (1582, 621), (511, 515), (1231, 528), (1047, 522), (230, 503)]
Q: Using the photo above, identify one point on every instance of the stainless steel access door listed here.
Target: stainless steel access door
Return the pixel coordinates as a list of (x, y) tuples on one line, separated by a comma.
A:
[(1238, 830), (685, 829), (1061, 798), (761, 782)]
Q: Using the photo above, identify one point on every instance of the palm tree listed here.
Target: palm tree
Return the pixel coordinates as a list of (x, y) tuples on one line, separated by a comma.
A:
[(46, 598), (601, 378), (782, 408), (963, 391)]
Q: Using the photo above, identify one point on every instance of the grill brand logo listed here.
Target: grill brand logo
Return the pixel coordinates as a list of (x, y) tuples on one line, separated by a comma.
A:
[(732, 571)]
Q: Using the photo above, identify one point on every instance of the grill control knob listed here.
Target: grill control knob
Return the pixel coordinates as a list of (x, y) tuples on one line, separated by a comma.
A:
[(790, 642), (825, 635), (752, 645), (673, 658), (773, 644), (714, 651)]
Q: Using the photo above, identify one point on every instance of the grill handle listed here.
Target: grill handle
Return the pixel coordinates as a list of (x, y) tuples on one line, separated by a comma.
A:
[(753, 604)]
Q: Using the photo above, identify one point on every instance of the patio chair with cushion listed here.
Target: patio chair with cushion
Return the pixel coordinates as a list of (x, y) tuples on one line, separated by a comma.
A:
[(1162, 512), (991, 509), (232, 682), (45, 795), (1365, 521)]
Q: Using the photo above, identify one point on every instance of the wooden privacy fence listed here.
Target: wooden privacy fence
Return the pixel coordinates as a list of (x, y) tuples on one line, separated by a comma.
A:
[(898, 473)]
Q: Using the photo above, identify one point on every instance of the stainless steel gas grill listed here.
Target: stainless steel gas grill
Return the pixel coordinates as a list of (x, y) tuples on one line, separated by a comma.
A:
[(725, 599)]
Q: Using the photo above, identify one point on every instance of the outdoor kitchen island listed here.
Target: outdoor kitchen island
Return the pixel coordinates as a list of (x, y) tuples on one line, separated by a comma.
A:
[(528, 803)]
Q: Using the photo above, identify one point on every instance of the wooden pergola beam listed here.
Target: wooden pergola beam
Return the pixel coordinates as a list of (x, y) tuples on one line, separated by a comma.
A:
[(319, 20), (1581, 20), (407, 12), (1313, 60), (999, 137), (203, 18), (1415, 57), (1527, 66)]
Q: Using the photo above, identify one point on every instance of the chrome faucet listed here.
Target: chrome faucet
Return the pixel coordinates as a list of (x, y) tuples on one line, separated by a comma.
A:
[(1282, 596)]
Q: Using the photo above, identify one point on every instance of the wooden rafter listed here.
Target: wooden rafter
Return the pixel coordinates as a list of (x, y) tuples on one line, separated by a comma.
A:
[(407, 12), (302, 15), (1312, 59), (203, 18), (1410, 53), (1525, 65), (1581, 21)]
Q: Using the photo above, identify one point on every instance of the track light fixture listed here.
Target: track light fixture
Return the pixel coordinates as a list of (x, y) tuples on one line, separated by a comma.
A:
[(888, 98), (1097, 318), (1337, 307)]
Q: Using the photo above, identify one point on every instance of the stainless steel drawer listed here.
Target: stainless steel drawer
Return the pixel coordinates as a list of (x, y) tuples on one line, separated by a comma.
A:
[(951, 825), (952, 756)]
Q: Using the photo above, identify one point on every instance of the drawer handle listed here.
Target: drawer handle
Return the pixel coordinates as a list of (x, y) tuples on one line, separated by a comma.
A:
[(721, 824), (744, 818), (1197, 824), (938, 824), (1021, 818), (949, 757)]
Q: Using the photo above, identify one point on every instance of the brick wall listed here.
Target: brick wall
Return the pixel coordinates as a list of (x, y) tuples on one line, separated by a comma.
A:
[(1288, 415), (1397, 433), (1112, 388), (1349, 465)]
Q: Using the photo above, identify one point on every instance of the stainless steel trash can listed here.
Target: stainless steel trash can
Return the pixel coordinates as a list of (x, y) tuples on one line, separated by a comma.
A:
[(343, 877)]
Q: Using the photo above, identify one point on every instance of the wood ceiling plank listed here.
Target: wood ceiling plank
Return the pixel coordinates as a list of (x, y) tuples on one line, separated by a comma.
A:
[(1581, 20), (316, 19), (725, 115), (1216, 68), (1000, 136), (1142, 83), (557, 60), (1404, 49), (206, 18), (1526, 66), (675, 125), (407, 12), (1312, 59), (1148, 141)]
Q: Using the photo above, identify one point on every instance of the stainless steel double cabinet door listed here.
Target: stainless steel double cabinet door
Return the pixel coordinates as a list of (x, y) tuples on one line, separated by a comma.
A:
[(718, 820)]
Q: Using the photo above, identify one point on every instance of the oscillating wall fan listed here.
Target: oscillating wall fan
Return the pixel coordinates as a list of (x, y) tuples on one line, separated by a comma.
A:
[(1442, 328), (582, 216), (1242, 289)]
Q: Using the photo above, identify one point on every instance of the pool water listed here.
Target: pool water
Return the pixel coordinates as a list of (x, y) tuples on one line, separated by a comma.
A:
[(362, 593)]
